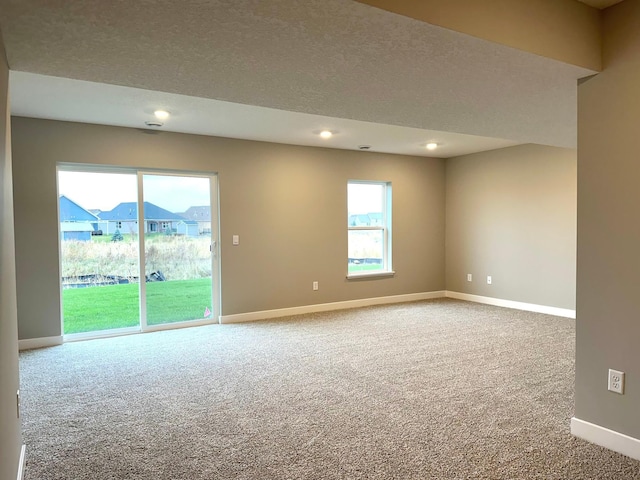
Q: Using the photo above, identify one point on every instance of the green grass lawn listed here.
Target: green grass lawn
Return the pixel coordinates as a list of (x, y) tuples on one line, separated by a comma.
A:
[(361, 267), (116, 306)]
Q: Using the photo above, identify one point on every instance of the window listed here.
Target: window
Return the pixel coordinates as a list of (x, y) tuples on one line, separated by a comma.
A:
[(369, 228)]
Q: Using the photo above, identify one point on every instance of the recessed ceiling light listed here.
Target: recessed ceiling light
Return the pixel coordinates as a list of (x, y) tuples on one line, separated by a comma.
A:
[(153, 123), (326, 134), (432, 146), (161, 114)]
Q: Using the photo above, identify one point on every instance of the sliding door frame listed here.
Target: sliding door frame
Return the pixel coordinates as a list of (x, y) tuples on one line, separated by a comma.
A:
[(215, 254), (214, 235)]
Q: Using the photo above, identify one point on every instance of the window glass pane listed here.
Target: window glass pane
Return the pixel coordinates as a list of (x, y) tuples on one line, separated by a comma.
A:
[(366, 249), (99, 258), (365, 204), (177, 255)]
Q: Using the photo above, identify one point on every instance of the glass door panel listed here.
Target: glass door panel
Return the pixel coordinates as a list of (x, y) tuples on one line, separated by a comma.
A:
[(98, 251), (177, 248)]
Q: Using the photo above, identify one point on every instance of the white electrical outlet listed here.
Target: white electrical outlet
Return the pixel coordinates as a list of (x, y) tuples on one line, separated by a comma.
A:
[(469, 277), (489, 279), (616, 381), (315, 285)]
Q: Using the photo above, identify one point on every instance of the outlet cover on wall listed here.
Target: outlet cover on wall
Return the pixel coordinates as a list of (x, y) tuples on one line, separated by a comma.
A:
[(489, 279), (469, 277), (616, 381)]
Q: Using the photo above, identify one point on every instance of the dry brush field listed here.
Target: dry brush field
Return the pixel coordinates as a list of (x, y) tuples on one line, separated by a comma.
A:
[(177, 257)]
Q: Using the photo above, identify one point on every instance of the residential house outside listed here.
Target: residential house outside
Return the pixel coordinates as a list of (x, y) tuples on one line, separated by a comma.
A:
[(365, 220), (76, 223), (124, 218), (359, 220), (375, 219), (188, 228), (202, 215)]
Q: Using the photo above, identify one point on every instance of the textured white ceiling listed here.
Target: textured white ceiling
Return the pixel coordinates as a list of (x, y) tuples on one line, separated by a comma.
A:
[(332, 58), (34, 95)]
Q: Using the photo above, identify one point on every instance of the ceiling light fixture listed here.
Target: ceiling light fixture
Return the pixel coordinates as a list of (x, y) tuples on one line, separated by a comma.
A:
[(432, 146), (161, 114), (153, 123), (326, 134)]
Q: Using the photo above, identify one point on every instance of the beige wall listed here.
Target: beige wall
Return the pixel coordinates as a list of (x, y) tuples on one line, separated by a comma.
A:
[(511, 214), (608, 303), (10, 437), (287, 203), (565, 30)]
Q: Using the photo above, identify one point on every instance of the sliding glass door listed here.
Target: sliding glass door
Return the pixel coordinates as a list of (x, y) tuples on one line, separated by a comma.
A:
[(137, 250), (177, 248), (99, 259)]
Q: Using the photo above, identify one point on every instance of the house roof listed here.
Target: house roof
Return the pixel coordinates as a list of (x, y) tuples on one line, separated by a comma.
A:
[(359, 218), (70, 211), (199, 213), (129, 211)]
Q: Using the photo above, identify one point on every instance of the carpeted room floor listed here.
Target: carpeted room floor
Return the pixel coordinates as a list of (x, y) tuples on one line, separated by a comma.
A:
[(440, 389)]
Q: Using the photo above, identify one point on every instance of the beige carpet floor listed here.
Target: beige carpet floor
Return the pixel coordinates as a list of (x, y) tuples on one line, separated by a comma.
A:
[(439, 389)]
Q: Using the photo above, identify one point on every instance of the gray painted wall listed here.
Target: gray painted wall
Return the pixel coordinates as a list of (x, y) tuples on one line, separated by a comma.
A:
[(287, 203), (608, 302), (10, 436), (511, 214), (608, 226)]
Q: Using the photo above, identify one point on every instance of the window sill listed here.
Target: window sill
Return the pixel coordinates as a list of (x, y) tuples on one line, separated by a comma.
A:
[(363, 275)]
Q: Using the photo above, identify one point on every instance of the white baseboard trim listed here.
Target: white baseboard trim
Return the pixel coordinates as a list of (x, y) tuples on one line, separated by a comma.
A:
[(618, 442), (324, 307), (529, 307), (31, 343), (21, 462)]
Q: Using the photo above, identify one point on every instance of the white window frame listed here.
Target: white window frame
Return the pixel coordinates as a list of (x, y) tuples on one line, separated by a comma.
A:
[(385, 227)]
